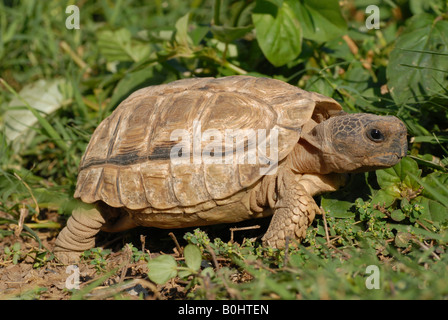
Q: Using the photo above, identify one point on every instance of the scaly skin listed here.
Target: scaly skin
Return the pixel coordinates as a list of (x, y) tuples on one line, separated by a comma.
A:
[(294, 211), (78, 235)]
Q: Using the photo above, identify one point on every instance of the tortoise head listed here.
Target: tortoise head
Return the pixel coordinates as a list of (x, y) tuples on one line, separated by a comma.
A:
[(359, 142)]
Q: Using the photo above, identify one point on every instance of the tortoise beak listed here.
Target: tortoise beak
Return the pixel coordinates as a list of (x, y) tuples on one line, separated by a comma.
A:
[(401, 143), (399, 150), (404, 151)]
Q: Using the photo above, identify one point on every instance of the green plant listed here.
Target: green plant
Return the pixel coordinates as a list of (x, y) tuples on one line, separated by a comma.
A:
[(165, 267), (97, 257), (14, 252)]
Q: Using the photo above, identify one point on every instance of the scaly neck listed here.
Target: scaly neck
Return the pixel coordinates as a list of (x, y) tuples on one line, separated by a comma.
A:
[(306, 158)]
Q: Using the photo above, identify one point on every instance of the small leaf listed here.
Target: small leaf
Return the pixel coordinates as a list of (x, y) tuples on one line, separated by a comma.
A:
[(15, 258), (397, 215), (193, 257), (182, 36), (402, 239), (162, 269), (208, 272), (16, 247)]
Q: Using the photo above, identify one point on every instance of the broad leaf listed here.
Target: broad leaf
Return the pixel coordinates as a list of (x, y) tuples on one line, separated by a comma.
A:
[(119, 46), (44, 96), (321, 20), (436, 181), (337, 208), (193, 257), (278, 31), (162, 269), (397, 178), (432, 211), (417, 67), (384, 197), (396, 182)]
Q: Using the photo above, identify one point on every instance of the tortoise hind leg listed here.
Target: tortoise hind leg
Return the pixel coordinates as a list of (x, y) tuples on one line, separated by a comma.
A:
[(79, 234)]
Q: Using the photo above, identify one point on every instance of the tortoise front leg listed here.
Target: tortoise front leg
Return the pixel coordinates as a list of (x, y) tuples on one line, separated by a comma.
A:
[(294, 211), (78, 235)]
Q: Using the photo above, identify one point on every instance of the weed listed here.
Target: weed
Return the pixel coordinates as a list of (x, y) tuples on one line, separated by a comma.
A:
[(97, 257)]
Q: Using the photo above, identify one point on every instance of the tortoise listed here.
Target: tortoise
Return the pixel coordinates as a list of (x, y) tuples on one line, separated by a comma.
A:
[(143, 165)]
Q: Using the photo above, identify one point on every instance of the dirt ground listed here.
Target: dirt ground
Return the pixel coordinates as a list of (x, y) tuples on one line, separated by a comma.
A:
[(32, 278), (52, 280)]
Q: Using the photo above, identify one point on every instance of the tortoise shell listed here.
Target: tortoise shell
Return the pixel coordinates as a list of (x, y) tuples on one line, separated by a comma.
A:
[(128, 160)]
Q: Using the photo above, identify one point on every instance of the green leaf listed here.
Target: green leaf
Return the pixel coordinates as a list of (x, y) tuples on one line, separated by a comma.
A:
[(16, 247), (279, 288), (402, 239), (278, 31), (129, 83), (417, 66), (15, 258), (418, 6), (436, 181), (432, 210), (182, 36), (162, 269), (395, 178), (119, 46), (384, 197), (416, 231), (398, 215), (389, 181), (321, 20), (337, 208), (229, 34), (437, 191), (193, 257), (208, 272), (198, 33)]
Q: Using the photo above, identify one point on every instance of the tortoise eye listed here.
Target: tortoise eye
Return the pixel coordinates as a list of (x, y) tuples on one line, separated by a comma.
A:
[(375, 135)]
